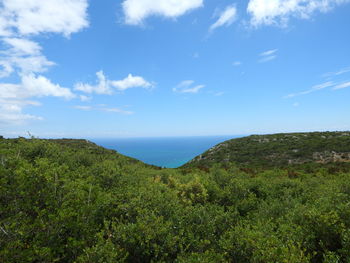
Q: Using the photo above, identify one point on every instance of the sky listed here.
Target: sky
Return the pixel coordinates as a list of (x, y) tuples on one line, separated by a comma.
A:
[(158, 68)]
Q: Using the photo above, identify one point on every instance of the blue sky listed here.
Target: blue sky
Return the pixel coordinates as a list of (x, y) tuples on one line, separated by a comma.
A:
[(142, 68)]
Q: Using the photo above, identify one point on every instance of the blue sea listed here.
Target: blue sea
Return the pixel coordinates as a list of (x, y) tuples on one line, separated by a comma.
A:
[(169, 152)]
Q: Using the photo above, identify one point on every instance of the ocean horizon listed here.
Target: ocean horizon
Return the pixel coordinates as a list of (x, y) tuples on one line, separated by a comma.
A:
[(168, 152)]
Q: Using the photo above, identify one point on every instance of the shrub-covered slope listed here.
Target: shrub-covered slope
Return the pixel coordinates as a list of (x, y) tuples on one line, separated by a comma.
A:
[(278, 150), (72, 201)]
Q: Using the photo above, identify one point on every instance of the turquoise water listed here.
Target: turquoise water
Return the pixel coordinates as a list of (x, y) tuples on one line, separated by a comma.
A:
[(165, 152)]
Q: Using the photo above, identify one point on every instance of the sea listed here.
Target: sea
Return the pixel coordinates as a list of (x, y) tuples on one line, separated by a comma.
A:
[(169, 152)]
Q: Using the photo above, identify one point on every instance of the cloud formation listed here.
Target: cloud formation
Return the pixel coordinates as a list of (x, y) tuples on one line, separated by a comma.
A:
[(268, 55), (226, 18), (20, 20), (15, 97), (332, 83), (22, 56), (11, 111), (136, 11), (21, 46), (312, 89), (85, 108), (130, 82), (237, 63), (33, 17), (342, 85), (33, 86), (187, 86), (101, 87), (106, 86), (279, 12), (117, 110), (103, 108), (337, 73)]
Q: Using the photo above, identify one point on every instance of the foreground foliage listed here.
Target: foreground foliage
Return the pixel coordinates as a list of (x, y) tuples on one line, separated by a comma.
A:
[(72, 201)]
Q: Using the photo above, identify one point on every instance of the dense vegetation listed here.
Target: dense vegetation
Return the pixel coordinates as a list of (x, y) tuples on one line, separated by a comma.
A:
[(72, 201), (278, 150)]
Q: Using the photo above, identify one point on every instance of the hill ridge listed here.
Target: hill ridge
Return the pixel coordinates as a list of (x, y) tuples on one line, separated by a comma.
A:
[(278, 150)]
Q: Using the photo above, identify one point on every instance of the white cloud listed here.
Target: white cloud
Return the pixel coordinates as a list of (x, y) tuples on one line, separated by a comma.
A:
[(84, 98), (130, 82), (3, 25), (342, 86), (14, 97), (267, 59), (22, 55), (117, 110), (337, 73), (103, 108), (194, 89), (186, 87), (136, 11), (16, 118), (85, 108), (102, 86), (11, 111), (268, 52), (33, 86), (328, 84), (32, 17), (19, 21), (105, 86), (278, 12), (219, 94), (226, 17), (22, 46), (41, 86), (30, 64), (237, 63), (268, 55), (5, 69), (313, 89), (342, 71)]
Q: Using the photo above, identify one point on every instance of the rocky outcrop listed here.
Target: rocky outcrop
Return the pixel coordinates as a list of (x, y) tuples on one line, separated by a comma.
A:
[(331, 156)]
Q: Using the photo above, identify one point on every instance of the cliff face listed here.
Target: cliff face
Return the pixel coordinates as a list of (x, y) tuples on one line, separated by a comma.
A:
[(278, 150)]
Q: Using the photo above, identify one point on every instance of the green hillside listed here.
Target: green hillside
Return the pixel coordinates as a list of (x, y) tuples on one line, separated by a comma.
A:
[(278, 150), (73, 201)]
